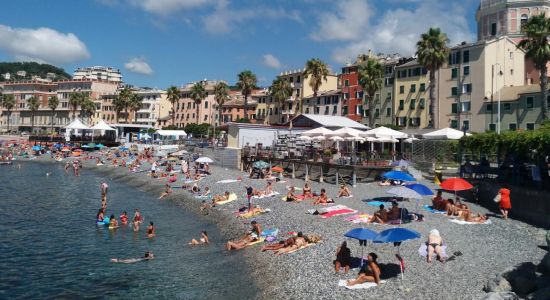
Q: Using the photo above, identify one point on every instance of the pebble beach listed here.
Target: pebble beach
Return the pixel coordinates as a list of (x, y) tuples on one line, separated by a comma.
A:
[(309, 273)]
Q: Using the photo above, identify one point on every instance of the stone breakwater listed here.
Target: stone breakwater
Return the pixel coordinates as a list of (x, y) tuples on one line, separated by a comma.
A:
[(309, 273)]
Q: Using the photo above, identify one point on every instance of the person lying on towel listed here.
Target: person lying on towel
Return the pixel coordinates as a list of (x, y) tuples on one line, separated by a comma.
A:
[(251, 236), (370, 272), (290, 195), (299, 242), (282, 244), (470, 217)]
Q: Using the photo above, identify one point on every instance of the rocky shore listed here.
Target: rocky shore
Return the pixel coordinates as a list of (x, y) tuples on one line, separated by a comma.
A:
[(308, 273)]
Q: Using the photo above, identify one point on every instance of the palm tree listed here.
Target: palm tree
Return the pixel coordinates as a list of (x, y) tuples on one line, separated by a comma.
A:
[(119, 104), (75, 100), (221, 93), (318, 70), (173, 95), (370, 79), (280, 90), (53, 102), (88, 108), (8, 102), (197, 93), (135, 104), (537, 48), (432, 52), (33, 104), (246, 83), (126, 96)]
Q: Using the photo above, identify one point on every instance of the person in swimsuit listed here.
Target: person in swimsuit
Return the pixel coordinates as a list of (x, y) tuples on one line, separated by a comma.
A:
[(67, 165), (343, 258), (167, 191), (370, 272), (138, 219), (206, 192), (344, 191), (113, 223), (251, 236), (195, 189), (307, 191), (268, 189), (286, 243), (395, 212), (104, 201), (124, 218), (290, 195), (202, 240), (104, 187), (438, 203), (299, 242), (148, 256), (322, 199), (151, 230), (100, 215), (381, 216), (434, 244)]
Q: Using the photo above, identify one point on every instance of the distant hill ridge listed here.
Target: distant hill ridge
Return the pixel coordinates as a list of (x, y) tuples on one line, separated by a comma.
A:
[(31, 69)]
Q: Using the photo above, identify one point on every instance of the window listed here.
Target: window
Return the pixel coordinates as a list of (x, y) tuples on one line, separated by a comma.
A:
[(388, 112), (345, 110), (492, 127), (454, 73), (402, 89), (507, 107), (454, 124), (298, 79), (412, 104), (524, 19), (466, 125), (413, 88), (422, 87), (466, 106), (454, 108), (205, 117), (422, 103), (346, 96), (377, 112), (529, 102), (359, 95), (489, 107), (530, 126), (388, 97), (512, 126), (493, 29), (466, 88), (401, 104), (466, 56), (454, 58), (401, 121), (466, 70), (291, 79), (297, 93), (454, 91), (346, 82), (205, 104)]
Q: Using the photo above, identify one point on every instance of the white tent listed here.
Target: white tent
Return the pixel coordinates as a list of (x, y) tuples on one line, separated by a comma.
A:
[(384, 132), (101, 125), (175, 133), (346, 132), (445, 134), (321, 131), (77, 124)]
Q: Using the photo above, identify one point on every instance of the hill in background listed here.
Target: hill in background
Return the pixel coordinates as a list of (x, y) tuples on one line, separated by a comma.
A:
[(31, 69)]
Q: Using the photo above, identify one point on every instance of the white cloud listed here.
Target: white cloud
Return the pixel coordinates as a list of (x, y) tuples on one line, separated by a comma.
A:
[(348, 21), (224, 19), (42, 45), (398, 30), (167, 7), (138, 65), (271, 61)]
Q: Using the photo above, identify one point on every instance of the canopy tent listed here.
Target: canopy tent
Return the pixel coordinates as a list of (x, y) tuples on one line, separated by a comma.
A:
[(321, 131), (175, 133), (101, 125), (77, 124), (445, 134), (346, 132), (384, 132)]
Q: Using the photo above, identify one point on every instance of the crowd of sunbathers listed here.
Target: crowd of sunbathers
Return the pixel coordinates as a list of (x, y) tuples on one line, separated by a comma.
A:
[(456, 209), (321, 198)]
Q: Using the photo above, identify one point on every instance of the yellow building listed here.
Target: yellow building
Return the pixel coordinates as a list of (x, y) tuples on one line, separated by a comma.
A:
[(411, 96)]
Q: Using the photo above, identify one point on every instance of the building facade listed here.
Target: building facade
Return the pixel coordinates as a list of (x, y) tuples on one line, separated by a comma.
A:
[(326, 103), (410, 106), (186, 108), (233, 109), (98, 73), (268, 111), (155, 104), (352, 93)]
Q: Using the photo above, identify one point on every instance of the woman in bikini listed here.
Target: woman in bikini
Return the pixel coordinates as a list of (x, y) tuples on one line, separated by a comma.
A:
[(290, 195), (322, 199), (434, 244), (344, 191), (370, 272), (307, 191), (381, 216), (202, 240), (124, 218), (167, 191), (151, 230)]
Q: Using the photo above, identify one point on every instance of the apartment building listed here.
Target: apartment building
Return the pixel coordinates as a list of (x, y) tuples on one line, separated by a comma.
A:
[(268, 111), (326, 103), (352, 93), (410, 106), (302, 90), (98, 73), (474, 74), (233, 109), (186, 108)]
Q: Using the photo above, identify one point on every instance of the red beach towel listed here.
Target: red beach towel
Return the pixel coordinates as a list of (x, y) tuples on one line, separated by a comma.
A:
[(333, 213)]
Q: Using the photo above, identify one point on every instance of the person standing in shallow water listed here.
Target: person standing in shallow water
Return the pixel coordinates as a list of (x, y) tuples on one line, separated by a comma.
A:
[(151, 230)]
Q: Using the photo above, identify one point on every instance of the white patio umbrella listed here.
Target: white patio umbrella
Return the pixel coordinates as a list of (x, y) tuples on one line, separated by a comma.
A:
[(336, 138), (305, 138), (410, 140), (384, 132), (319, 138), (179, 153), (101, 125), (321, 131), (204, 160), (346, 132), (445, 134)]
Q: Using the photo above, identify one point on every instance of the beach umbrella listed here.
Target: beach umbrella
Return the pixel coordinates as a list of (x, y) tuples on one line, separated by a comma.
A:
[(362, 235), (100, 146), (336, 138), (305, 138), (420, 188), (260, 164), (36, 148), (204, 160), (455, 184), (398, 175), (277, 169), (403, 192), (396, 236), (122, 148), (316, 132), (91, 145)]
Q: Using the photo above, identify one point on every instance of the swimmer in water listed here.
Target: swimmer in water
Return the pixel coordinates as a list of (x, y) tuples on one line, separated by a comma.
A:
[(151, 230), (202, 240), (113, 223), (99, 216), (167, 191), (124, 218), (148, 256)]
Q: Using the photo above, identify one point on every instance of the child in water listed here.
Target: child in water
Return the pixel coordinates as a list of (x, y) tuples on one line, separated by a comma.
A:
[(124, 218)]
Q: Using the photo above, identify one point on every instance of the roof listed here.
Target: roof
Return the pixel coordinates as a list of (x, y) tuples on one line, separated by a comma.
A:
[(309, 120), (411, 63), (325, 93), (512, 93)]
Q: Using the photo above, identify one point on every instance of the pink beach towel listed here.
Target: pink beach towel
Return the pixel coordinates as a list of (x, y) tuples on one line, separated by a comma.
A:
[(333, 213)]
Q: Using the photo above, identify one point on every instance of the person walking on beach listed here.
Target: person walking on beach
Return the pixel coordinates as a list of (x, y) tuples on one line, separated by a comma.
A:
[(505, 204), (249, 194)]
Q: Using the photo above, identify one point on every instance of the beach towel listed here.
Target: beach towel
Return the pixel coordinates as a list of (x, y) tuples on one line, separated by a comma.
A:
[(360, 218), (266, 196), (297, 249), (345, 211), (247, 215), (366, 285), (228, 181), (270, 232), (469, 223), (423, 250), (232, 197), (432, 210), (261, 240), (376, 203)]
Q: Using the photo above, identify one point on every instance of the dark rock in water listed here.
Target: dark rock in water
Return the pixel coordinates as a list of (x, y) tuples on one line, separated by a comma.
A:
[(542, 282), (543, 294), (501, 296), (548, 238), (522, 277), (544, 266), (497, 283)]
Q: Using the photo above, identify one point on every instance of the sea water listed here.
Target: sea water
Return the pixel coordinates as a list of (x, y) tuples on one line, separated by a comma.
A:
[(50, 246)]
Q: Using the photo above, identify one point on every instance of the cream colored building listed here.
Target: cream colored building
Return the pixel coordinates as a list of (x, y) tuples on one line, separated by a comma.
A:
[(410, 95), (267, 110), (302, 90), (472, 78), (155, 104), (186, 107)]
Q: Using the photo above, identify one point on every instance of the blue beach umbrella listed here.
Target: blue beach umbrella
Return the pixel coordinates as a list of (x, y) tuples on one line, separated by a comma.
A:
[(260, 164), (123, 149), (396, 236), (420, 188), (363, 235), (36, 148), (100, 146), (398, 175)]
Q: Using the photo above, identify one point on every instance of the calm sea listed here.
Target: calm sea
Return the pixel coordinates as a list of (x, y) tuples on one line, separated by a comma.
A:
[(50, 246)]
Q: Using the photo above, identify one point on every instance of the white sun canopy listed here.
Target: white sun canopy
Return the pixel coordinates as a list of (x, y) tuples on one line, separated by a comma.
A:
[(445, 134), (174, 133), (77, 124), (384, 132), (101, 125), (321, 131), (346, 132)]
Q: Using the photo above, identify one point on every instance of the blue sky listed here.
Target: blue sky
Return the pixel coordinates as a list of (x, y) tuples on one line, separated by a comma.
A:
[(158, 43)]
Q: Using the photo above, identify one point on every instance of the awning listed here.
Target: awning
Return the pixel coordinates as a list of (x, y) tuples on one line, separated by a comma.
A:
[(77, 124), (174, 133), (101, 125)]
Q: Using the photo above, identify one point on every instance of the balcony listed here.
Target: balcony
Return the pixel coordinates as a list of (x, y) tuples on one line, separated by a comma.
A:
[(288, 112)]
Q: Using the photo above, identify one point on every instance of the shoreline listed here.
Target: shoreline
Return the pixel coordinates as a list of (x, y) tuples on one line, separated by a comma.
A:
[(309, 272)]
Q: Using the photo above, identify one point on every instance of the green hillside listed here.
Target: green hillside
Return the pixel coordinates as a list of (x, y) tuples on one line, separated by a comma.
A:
[(32, 69)]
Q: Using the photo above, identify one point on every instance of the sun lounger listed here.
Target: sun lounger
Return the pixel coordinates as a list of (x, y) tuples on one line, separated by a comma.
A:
[(365, 285)]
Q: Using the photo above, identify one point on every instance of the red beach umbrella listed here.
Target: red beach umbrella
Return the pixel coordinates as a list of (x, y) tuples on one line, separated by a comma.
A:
[(455, 184), (277, 169)]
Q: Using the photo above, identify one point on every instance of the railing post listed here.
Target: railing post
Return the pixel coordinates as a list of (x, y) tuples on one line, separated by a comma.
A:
[(307, 172), (354, 177), (321, 177), (293, 171)]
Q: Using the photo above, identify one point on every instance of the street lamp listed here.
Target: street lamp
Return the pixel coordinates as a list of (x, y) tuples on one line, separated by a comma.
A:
[(498, 97)]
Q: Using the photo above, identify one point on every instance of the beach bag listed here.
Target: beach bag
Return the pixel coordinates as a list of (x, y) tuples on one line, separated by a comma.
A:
[(497, 198)]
